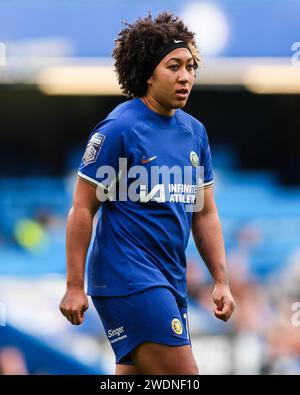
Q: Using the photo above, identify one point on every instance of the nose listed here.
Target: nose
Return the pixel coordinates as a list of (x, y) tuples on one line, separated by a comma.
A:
[(183, 75)]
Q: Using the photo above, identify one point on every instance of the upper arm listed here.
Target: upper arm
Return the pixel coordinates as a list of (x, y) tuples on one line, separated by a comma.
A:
[(209, 204), (205, 158), (100, 162), (85, 196)]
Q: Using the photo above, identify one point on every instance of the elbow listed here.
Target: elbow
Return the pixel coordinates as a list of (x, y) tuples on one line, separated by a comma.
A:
[(86, 212)]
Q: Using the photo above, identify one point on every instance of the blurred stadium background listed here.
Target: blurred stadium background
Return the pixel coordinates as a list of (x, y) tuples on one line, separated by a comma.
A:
[(57, 82)]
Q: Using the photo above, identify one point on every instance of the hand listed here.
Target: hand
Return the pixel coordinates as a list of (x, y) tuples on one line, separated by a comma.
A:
[(73, 305), (224, 301)]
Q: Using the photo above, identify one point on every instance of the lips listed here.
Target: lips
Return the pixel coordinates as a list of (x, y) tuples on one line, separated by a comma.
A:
[(184, 91), (182, 94)]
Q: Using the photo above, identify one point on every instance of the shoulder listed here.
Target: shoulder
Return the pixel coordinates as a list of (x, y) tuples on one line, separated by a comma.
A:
[(191, 123), (118, 121), (123, 112)]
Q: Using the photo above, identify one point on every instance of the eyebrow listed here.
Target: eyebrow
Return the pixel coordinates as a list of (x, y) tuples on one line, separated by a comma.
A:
[(179, 60)]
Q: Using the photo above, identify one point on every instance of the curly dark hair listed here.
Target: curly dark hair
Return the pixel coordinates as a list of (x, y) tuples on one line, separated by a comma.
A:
[(138, 42)]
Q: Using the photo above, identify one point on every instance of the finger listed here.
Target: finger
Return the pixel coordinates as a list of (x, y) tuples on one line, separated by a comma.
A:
[(68, 313), (69, 316), (63, 311), (222, 312), (78, 320), (83, 310), (226, 311), (85, 307), (77, 317), (219, 303), (220, 315)]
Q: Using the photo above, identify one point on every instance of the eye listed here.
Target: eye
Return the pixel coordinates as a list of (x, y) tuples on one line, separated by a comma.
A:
[(190, 67), (173, 67)]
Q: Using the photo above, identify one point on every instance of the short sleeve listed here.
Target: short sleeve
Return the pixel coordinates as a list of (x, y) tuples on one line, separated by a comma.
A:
[(101, 159), (205, 158)]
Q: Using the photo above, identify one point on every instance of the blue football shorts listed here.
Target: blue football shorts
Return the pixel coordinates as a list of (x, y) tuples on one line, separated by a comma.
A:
[(152, 315)]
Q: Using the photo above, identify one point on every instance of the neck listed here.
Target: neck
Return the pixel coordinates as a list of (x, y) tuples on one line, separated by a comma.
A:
[(156, 106)]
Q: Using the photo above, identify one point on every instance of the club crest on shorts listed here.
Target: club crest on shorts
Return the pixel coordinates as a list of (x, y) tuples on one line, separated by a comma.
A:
[(176, 326), (194, 158), (93, 148)]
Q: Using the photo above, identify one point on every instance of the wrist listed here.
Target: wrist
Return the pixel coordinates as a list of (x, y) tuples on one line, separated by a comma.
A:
[(72, 286), (222, 282)]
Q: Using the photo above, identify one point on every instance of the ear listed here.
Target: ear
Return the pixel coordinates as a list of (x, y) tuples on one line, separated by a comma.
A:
[(150, 80)]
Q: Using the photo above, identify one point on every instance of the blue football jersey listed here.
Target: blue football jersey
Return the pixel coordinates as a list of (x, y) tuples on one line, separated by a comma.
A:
[(140, 241)]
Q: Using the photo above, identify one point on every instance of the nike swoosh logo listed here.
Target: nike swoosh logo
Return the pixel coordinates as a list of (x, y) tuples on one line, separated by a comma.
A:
[(178, 41), (148, 160)]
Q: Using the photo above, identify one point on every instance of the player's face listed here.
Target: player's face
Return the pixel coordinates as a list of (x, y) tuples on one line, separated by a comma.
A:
[(173, 79)]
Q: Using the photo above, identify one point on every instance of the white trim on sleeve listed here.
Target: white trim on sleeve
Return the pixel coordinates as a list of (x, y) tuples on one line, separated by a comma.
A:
[(92, 181), (206, 184)]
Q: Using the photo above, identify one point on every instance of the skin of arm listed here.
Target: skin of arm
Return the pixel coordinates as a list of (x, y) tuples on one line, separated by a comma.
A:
[(78, 235), (208, 237)]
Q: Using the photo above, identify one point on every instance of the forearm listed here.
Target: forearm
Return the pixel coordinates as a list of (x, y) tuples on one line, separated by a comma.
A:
[(207, 233), (78, 236)]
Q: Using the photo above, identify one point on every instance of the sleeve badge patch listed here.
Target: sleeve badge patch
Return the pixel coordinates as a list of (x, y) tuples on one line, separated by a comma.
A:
[(93, 148)]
